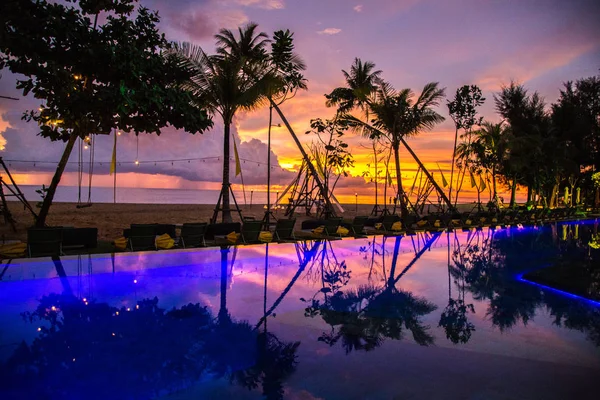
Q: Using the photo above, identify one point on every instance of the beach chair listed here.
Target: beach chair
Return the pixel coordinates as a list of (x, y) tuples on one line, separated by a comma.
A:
[(388, 225), (320, 229), (192, 234), (284, 230), (356, 227), (169, 229), (331, 226), (77, 238), (218, 233), (250, 231), (44, 242), (142, 237)]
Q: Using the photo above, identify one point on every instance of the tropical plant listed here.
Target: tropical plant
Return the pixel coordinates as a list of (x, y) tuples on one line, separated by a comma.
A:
[(94, 74)]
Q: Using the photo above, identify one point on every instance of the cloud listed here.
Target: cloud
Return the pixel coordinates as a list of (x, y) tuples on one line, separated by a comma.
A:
[(264, 4), (329, 31), (358, 8)]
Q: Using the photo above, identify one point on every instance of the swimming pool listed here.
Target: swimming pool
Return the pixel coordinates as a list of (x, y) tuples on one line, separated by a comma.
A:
[(430, 316)]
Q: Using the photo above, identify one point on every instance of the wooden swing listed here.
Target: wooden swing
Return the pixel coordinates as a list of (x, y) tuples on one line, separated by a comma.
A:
[(88, 142)]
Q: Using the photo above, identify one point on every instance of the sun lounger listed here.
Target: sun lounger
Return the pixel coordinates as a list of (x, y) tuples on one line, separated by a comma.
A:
[(44, 241), (192, 234), (284, 230), (142, 237), (356, 227), (250, 231), (77, 238)]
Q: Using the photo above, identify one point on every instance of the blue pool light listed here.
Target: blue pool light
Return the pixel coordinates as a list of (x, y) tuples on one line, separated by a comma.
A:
[(558, 291)]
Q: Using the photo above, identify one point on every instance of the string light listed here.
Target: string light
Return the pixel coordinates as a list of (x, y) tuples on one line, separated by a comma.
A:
[(155, 162), (118, 133)]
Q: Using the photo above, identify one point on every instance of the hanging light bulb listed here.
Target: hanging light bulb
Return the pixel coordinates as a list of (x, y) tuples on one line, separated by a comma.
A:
[(137, 162), (119, 133), (85, 147)]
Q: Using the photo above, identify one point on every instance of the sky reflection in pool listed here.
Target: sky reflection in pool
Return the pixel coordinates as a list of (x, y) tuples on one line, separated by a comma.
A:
[(425, 316)]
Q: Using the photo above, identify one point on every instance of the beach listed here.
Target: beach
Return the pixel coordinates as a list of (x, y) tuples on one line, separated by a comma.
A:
[(111, 219)]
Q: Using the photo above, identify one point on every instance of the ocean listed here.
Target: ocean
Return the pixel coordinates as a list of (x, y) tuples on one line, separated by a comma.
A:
[(144, 196)]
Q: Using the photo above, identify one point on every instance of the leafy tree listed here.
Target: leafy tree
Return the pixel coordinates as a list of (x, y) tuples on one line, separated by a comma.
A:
[(330, 153), (576, 122), (94, 74), (463, 111), (531, 132)]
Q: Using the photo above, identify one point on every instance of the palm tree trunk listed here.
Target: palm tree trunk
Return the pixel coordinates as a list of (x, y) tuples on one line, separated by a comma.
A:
[(513, 192), (387, 181), (453, 159), (426, 172), (226, 211), (403, 205), (494, 182), (41, 220), (376, 177), (329, 211)]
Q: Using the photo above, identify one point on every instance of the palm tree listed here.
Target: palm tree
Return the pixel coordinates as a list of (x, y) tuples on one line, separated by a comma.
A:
[(397, 116), (490, 145), (225, 84), (281, 70), (361, 82)]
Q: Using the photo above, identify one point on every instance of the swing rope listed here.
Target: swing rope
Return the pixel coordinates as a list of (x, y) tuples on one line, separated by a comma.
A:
[(91, 168), (79, 171), (82, 145)]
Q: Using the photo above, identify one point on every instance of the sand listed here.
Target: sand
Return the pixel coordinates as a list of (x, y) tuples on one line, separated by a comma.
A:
[(111, 219)]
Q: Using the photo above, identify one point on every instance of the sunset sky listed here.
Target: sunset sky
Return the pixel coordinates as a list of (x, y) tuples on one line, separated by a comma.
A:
[(540, 43)]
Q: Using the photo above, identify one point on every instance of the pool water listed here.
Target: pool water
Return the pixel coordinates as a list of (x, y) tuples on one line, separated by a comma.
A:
[(430, 316)]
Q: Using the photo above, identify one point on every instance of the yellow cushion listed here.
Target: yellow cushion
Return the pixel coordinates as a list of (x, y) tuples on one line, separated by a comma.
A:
[(421, 222), (265, 236), (378, 225), (13, 250), (165, 242), (121, 243), (468, 222), (437, 223), (342, 231), (319, 230), (397, 226), (233, 237)]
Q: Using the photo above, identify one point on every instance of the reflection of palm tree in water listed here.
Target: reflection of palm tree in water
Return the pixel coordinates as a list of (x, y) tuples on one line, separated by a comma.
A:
[(143, 351), (362, 318), (454, 318), (274, 360)]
